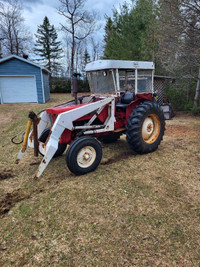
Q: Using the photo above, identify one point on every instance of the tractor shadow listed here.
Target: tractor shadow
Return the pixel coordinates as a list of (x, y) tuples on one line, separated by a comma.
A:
[(122, 149)]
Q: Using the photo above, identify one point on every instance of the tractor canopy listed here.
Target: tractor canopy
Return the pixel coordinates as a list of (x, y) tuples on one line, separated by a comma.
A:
[(115, 76)]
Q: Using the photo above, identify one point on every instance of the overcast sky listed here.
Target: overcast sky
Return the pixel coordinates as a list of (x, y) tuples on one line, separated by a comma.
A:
[(36, 10)]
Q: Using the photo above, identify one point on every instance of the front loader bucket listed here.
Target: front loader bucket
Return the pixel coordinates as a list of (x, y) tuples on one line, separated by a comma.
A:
[(31, 140)]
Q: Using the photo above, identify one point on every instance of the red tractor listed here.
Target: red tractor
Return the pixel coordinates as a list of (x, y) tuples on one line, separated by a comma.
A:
[(121, 101)]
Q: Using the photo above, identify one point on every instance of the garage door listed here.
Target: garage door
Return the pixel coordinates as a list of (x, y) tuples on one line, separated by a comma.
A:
[(18, 89)]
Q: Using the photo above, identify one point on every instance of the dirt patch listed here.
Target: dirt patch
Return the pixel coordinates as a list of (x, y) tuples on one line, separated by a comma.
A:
[(35, 162), (10, 200), (6, 174), (172, 130), (117, 158)]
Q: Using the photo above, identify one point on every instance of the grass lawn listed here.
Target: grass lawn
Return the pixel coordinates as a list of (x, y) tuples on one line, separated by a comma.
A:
[(134, 210)]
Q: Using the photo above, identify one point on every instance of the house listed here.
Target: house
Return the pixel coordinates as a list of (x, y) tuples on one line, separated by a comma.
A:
[(23, 81)]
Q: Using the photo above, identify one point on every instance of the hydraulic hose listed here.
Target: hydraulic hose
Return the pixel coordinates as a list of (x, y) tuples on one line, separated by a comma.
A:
[(13, 138)]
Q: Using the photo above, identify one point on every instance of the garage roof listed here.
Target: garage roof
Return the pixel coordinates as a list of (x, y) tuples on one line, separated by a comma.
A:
[(23, 59)]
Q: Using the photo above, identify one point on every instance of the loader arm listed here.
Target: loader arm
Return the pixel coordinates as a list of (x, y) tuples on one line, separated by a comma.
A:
[(65, 121)]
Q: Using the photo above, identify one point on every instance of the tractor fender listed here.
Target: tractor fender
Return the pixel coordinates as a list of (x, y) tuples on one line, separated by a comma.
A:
[(139, 98)]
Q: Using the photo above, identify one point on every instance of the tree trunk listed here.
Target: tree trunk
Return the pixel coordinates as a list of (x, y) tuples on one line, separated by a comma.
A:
[(197, 91), (188, 89), (72, 64), (0, 50), (50, 82)]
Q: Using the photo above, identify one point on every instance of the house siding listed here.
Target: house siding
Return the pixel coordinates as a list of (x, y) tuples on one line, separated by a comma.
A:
[(46, 85), (18, 67)]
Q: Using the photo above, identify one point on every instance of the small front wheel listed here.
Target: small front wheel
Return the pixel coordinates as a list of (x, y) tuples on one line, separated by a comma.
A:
[(84, 155), (61, 146)]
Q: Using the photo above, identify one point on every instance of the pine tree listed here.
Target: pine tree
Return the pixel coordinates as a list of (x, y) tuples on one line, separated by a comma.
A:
[(107, 37), (47, 46), (86, 59), (130, 33)]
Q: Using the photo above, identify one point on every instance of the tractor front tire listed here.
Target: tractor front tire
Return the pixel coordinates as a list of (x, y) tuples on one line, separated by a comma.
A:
[(61, 146), (145, 127), (83, 155)]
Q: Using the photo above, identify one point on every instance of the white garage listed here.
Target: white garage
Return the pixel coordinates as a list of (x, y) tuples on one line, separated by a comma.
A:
[(18, 89), (23, 81)]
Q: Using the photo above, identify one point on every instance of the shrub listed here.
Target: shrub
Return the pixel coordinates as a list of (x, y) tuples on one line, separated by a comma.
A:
[(196, 111), (189, 106), (63, 85), (177, 98)]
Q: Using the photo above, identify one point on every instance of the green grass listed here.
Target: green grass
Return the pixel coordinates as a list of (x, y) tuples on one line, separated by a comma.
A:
[(142, 210)]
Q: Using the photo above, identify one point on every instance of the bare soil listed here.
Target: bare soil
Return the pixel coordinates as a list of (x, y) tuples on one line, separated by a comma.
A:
[(6, 174), (9, 201)]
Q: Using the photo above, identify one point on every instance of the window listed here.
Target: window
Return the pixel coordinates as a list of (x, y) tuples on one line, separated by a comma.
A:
[(101, 82), (127, 81), (145, 81)]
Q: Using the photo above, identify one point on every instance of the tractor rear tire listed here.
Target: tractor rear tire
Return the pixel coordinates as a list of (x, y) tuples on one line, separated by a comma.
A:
[(84, 155), (145, 127), (61, 146)]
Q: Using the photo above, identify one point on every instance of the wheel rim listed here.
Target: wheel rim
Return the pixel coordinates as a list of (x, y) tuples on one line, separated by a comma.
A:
[(151, 128), (86, 156)]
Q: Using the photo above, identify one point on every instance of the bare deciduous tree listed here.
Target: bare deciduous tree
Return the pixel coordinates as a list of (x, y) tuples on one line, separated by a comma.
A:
[(191, 18), (96, 48), (179, 38), (15, 37), (79, 25)]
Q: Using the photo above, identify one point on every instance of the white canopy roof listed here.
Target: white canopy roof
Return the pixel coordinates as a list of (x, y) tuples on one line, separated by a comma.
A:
[(119, 64)]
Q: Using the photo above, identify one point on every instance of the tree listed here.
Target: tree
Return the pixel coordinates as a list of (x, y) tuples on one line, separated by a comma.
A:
[(14, 36), (179, 39), (145, 15), (86, 57), (108, 37), (119, 32), (1, 54), (79, 25), (130, 33), (191, 18), (47, 46), (95, 48), (78, 56)]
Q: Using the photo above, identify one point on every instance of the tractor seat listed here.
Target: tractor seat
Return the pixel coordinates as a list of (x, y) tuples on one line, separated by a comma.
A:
[(126, 99)]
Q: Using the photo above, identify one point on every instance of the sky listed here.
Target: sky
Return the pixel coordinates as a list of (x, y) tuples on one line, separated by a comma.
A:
[(35, 11)]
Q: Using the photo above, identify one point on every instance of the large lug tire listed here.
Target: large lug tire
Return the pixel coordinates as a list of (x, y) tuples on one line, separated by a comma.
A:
[(145, 127), (83, 155), (61, 146)]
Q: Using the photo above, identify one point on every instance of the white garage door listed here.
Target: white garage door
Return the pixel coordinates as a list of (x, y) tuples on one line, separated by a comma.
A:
[(18, 89)]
